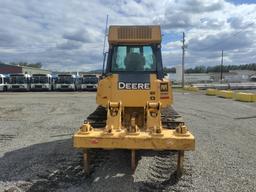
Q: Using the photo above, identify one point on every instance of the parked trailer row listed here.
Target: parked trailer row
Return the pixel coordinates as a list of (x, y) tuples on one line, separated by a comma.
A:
[(46, 82)]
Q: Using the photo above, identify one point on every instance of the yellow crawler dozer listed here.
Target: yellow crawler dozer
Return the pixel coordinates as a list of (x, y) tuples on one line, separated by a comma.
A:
[(134, 100)]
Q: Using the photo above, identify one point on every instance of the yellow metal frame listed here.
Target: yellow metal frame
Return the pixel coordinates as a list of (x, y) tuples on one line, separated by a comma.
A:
[(167, 140)]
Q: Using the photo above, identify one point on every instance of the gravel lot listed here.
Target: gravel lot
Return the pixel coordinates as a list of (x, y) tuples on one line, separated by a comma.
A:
[(36, 152)]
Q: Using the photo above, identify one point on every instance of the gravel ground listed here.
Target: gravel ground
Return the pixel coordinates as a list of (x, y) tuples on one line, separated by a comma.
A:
[(36, 152)]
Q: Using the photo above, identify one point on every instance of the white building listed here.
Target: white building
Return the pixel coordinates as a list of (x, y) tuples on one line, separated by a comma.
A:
[(191, 78)]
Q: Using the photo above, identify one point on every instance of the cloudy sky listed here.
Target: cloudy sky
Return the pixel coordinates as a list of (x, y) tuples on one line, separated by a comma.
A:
[(68, 34)]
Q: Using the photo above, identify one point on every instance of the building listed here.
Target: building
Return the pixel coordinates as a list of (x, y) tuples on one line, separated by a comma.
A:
[(32, 70), (9, 69), (191, 78), (233, 76)]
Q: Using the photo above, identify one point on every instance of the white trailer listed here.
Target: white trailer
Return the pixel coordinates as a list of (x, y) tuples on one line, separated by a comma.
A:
[(66, 83), (89, 82), (3, 82), (41, 82), (19, 82)]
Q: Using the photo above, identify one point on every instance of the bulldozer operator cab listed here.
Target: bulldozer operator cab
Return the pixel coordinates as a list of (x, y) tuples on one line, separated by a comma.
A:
[(134, 49), (133, 58)]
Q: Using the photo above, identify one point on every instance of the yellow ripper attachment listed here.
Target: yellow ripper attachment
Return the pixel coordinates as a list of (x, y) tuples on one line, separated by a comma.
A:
[(166, 140), (115, 136), (179, 139)]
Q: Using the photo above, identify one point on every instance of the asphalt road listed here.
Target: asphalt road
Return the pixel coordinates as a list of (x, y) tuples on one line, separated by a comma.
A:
[(36, 152)]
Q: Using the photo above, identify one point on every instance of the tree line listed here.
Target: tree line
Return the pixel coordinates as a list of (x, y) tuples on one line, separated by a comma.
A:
[(212, 69), (219, 68)]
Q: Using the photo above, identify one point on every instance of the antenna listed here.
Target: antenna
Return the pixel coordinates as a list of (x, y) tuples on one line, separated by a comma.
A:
[(104, 52)]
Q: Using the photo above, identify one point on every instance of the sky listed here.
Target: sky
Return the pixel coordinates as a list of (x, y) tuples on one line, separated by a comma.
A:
[(68, 35)]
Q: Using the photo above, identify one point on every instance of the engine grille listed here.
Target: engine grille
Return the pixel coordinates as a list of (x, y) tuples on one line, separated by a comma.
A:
[(134, 33)]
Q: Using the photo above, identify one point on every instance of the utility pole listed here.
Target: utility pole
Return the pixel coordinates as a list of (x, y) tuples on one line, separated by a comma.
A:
[(221, 67), (183, 59)]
